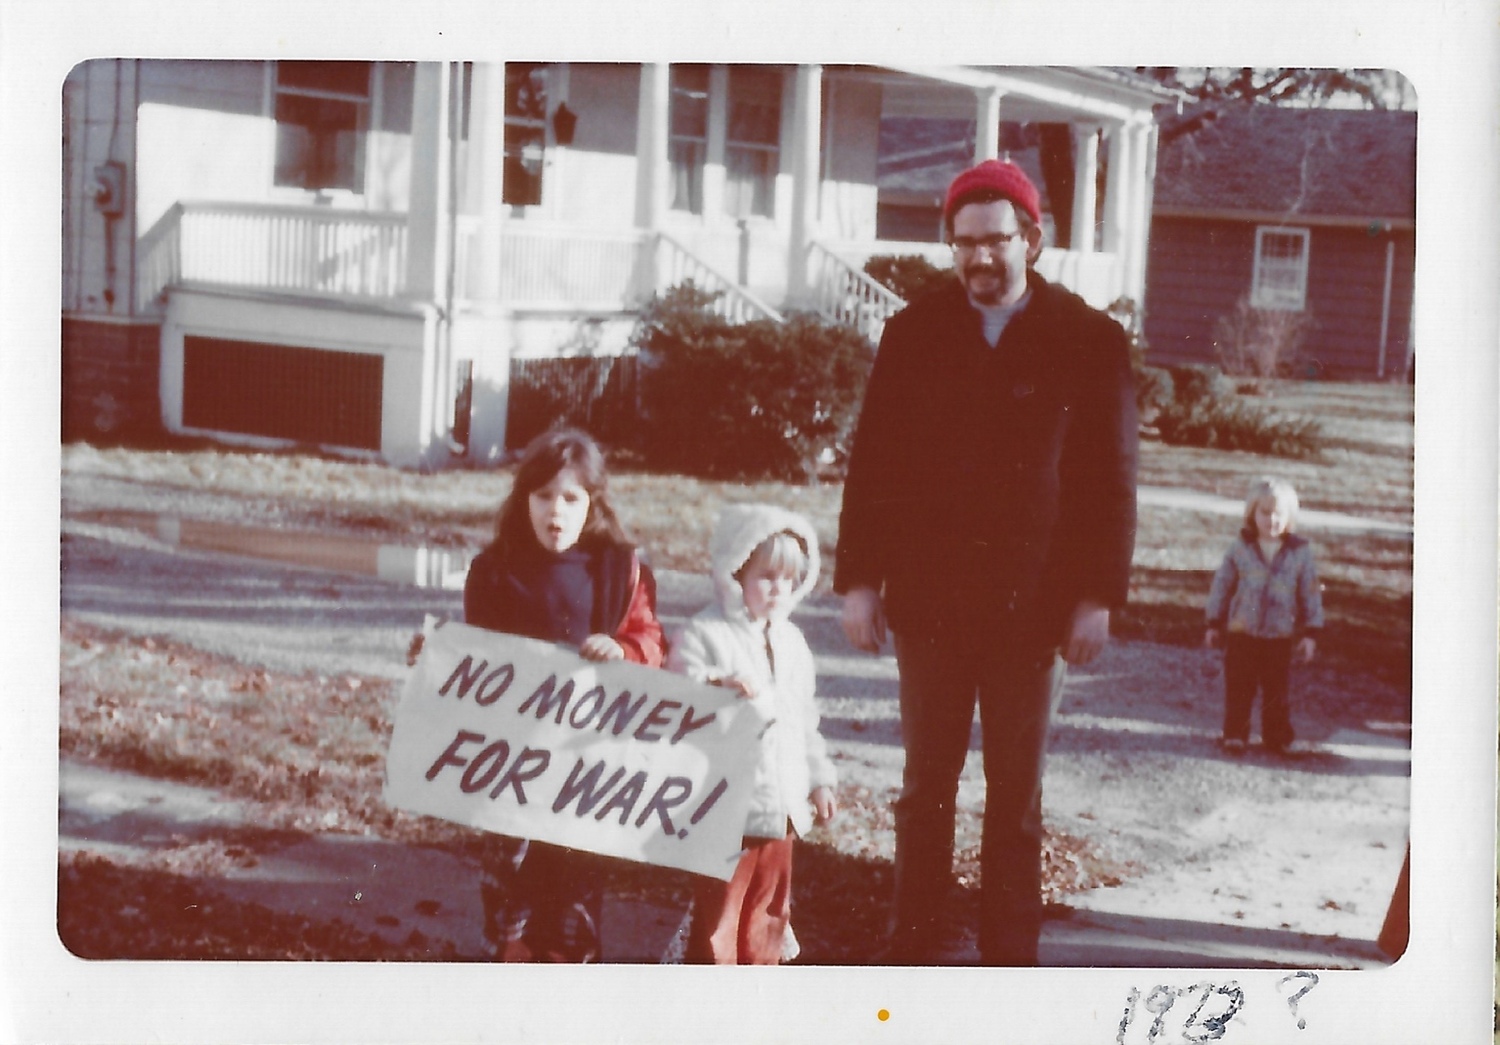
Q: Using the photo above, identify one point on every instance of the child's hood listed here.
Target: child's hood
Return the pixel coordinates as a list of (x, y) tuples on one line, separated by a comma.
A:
[(740, 529)]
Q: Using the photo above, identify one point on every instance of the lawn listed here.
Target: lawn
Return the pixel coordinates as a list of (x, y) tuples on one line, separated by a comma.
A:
[(1366, 469), (170, 712)]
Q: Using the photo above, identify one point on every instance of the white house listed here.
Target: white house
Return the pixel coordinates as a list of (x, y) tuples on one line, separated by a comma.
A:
[(354, 254)]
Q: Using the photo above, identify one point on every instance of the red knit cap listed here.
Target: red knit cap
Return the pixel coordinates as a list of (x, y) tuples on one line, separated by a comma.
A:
[(1002, 177)]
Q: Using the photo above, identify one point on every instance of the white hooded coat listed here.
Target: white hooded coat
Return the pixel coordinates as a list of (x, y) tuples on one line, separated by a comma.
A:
[(722, 641)]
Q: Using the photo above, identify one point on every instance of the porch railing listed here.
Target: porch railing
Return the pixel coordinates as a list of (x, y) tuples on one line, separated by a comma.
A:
[(158, 259), (1096, 276), (269, 247), (553, 266), (848, 296), (307, 250), (676, 265)]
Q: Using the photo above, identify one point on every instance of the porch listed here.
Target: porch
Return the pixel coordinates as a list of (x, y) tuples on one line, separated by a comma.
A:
[(543, 268)]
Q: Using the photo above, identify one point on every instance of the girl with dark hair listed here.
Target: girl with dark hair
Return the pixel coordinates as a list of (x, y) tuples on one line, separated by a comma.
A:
[(562, 570)]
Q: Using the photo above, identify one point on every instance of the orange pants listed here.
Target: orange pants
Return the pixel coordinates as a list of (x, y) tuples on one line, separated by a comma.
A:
[(743, 921)]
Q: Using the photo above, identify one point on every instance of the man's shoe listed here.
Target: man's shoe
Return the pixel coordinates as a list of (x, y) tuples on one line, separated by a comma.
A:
[(1232, 745)]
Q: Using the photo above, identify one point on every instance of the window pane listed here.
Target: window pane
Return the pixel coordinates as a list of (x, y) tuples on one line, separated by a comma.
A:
[(689, 109), (317, 142), (525, 91), (352, 78), (1279, 246), (749, 181), (755, 106), (524, 155), (687, 176), (1280, 280)]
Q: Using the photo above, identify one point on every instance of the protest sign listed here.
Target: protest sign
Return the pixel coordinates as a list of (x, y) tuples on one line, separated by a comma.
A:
[(528, 739)]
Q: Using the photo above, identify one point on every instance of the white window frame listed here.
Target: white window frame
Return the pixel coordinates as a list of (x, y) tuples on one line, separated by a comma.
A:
[(363, 113), (688, 154), (739, 197), (1279, 279)]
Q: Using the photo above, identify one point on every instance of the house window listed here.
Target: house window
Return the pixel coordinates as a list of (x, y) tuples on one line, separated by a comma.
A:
[(322, 111), (752, 153), (525, 133), (688, 144), (1280, 279)]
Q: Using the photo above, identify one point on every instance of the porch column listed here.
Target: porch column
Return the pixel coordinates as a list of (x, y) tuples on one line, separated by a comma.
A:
[(652, 166), (427, 211), (485, 175), (1117, 201), (987, 124), (480, 330), (807, 121), (428, 245), (1085, 188), (651, 140), (718, 126), (1144, 175)]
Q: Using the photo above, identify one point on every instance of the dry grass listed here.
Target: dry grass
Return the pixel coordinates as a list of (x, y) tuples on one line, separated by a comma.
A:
[(1365, 468), (309, 750)]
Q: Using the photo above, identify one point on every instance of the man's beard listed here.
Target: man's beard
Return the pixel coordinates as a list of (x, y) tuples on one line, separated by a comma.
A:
[(997, 283)]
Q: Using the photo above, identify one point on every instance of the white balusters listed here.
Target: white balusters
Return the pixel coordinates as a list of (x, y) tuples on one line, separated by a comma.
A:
[(848, 296), (294, 249)]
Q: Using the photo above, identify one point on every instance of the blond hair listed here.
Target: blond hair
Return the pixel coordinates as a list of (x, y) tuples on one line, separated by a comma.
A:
[(1279, 491), (782, 552)]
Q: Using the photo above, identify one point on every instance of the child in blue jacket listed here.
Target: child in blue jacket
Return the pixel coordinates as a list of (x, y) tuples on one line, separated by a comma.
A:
[(1265, 601)]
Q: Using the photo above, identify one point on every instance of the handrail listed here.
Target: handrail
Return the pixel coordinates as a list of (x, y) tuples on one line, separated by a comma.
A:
[(848, 296), (159, 258), (732, 301), (336, 215)]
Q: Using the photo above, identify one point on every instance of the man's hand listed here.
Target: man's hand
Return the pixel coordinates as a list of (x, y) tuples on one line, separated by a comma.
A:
[(1307, 646), (864, 619), (1088, 633)]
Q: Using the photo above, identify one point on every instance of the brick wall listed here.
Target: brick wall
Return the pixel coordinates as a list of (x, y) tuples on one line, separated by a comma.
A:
[(110, 380)]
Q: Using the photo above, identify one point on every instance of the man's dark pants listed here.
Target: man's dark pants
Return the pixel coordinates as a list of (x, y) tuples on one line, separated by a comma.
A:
[(941, 679)]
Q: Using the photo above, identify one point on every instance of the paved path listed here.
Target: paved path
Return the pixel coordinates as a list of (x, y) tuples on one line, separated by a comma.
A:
[(1307, 518)]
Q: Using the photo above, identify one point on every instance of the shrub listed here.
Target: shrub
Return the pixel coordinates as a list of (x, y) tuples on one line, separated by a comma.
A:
[(908, 276), (1153, 385), (1258, 343), (1154, 392), (745, 401), (1204, 410)]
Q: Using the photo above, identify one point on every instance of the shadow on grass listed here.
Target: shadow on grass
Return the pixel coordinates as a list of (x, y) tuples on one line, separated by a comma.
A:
[(107, 910), (1368, 629)]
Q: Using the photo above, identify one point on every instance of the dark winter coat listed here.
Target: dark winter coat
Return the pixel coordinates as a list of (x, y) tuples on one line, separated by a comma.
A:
[(624, 601), (993, 489)]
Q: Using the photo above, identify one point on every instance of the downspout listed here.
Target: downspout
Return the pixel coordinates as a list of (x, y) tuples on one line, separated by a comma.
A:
[(110, 219), (131, 178), (445, 327), (1385, 306)]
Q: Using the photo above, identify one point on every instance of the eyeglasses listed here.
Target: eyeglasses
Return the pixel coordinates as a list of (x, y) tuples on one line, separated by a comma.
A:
[(994, 244)]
